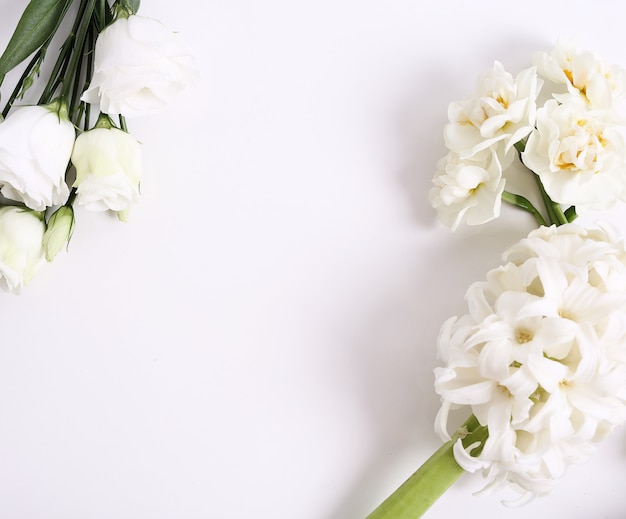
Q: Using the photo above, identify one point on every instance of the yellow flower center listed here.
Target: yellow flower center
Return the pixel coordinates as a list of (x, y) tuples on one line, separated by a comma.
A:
[(522, 335)]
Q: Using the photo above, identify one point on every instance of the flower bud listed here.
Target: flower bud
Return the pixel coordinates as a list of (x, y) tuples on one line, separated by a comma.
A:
[(59, 231)]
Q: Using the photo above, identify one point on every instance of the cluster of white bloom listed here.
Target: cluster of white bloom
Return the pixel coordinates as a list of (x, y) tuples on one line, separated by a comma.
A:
[(541, 356), (480, 135), (577, 148), (139, 65), (573, 142)]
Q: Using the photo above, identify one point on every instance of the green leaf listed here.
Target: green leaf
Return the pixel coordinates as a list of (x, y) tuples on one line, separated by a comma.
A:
[(38, 23)]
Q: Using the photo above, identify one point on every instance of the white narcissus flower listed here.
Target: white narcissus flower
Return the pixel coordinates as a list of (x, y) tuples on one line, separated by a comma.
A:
[(579, 158), (502, 109), (468, 190), (139, 66), (108, 168), (21, 247), (35, 147), (587, 79), (541, 356)]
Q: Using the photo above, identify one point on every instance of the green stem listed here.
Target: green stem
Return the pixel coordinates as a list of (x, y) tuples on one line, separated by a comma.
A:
[(555, 212), (20, 83), (61, 63), (123, 125), (103, 15), (71, 198), (79, 87), (85, 108), (70, 74), (523, 203), (418, 493)]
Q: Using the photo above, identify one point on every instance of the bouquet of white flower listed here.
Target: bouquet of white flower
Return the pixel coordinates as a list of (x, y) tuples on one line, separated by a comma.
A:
[(123, 64), (539, 360)]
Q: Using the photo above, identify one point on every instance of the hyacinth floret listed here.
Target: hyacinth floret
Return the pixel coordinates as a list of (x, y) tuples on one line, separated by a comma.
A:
[(540, 357)]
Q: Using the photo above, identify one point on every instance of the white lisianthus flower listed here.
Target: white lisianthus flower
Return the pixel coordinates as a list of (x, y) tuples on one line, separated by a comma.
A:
[(35, 147), (541, 356), (579, 159), (502, 110), (468, 190), (139, 66), (587, 79), (21, 247), (108, 168)]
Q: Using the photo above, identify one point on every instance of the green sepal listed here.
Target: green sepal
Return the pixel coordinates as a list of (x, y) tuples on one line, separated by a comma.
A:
[(104, 121), (38, 23), (125, 8), (122, 216)]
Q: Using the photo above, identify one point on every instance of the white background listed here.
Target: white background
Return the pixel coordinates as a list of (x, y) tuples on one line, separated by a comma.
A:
[(259, 339)]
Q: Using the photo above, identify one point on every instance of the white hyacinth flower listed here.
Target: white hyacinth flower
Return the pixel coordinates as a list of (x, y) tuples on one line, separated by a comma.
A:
[(540, 358)]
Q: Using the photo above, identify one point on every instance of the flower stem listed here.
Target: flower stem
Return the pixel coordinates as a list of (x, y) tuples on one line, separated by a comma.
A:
[(523, 203), (555, 211), (418, 493), (20, 84), (56, 75), (77, 55), (123, 125)]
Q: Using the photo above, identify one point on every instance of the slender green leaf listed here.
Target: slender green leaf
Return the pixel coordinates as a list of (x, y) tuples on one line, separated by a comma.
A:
[(38, 23)]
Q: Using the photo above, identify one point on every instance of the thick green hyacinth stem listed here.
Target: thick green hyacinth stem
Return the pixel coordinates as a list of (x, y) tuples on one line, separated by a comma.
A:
[(418, 493)]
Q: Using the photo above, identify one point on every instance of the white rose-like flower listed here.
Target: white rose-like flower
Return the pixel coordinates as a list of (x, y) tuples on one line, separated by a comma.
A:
[(541, 356), (139, 66), (108, 169), (35, 147), (502, 109), (588, 80), (21, 247), (468, 190), (580, 159)]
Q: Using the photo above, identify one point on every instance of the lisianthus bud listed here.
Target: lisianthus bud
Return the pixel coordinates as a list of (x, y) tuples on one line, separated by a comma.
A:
[(21, 248), (139, 66), (59, 231), (35, 147), (108, 169)]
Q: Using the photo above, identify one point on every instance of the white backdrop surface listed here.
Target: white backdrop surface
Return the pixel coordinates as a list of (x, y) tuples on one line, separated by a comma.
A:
[(259, 339)]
